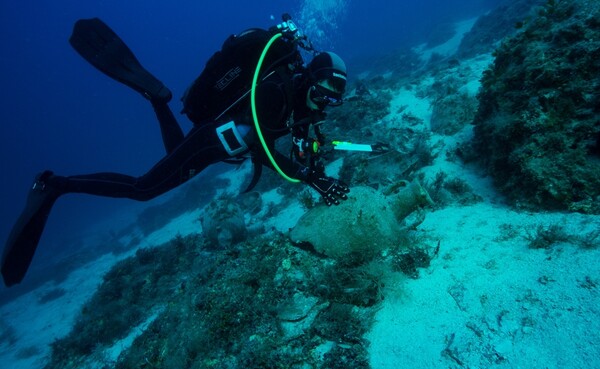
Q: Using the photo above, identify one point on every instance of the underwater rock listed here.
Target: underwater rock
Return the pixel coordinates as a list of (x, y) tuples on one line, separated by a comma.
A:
[(376, 171), (251, 202), (297, 314), (364, 225), (536, 129), (361, 109), (223, 223), (296, 308), (490, 28), (452, 113)]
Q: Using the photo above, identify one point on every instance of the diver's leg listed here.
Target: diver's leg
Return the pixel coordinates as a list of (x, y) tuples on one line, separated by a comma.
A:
[(172, 134), (198, 150), (27, 230), (97, 43)]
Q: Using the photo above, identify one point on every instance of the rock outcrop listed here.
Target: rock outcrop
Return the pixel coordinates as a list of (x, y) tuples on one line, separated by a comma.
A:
[(537, 129)]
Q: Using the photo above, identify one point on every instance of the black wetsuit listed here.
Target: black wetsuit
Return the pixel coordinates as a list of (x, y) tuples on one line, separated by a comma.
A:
[(278, 99)]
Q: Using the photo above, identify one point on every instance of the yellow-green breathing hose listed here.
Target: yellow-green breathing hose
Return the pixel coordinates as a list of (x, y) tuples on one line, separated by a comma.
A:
[(255, 116)]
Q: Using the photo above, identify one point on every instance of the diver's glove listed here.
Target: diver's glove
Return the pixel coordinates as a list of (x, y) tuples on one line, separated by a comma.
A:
[(331, 189)]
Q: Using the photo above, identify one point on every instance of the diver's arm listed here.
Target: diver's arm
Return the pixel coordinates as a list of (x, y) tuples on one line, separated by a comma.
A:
[(289, 166), (331, 189)]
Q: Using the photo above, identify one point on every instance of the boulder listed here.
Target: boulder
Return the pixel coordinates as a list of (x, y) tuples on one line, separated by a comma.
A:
[(223, 223)]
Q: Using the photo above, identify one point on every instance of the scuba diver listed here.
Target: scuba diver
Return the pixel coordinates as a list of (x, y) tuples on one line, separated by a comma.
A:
[(253, 91)]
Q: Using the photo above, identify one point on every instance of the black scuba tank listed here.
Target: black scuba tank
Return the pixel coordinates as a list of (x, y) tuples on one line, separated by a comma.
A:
[(223, 87)]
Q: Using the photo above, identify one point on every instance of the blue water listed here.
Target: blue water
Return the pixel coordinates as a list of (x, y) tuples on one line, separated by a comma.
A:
[(59, 113)]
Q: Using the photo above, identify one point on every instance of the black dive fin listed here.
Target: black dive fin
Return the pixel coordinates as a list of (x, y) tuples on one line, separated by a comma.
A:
[(255, 176), (26, 233), (104, 49)]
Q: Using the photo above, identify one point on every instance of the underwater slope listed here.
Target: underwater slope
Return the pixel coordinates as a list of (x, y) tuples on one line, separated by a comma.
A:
[(473, 282)]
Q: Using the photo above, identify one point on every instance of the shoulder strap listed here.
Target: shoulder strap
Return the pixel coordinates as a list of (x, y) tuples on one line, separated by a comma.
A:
[(255, 176)]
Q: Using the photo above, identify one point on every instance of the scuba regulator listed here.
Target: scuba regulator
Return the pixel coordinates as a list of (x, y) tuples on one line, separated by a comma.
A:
[(290, 31)]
